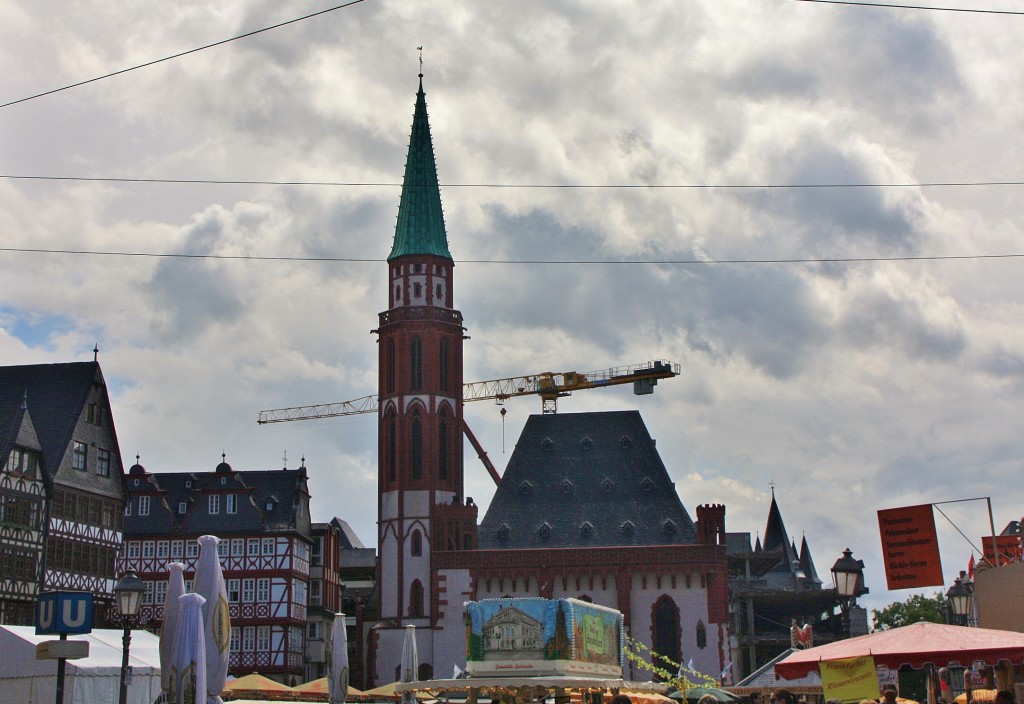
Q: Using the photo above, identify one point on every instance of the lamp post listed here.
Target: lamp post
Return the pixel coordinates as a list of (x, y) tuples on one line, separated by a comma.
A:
[(960, 598), (848, 575), (128, 593)]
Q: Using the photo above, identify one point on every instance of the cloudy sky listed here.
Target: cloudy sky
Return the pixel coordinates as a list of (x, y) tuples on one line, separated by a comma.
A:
[(878, 374)]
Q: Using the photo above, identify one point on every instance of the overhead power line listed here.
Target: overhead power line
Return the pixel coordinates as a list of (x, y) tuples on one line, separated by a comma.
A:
[(589, 262), (397, 184), (182, 53), (916, 7)]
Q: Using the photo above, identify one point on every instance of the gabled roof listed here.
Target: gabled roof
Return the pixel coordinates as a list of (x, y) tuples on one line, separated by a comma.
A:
[(420, 228), (55, 395), (585, 480)]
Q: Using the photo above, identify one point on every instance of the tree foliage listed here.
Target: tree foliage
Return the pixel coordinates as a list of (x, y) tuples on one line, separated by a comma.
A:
[(915, 608)]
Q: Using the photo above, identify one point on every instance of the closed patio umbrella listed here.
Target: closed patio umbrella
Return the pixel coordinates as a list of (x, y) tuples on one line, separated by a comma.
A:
[(410, 662), (175, 589), (187, 681), (337, 661), (216, 616)]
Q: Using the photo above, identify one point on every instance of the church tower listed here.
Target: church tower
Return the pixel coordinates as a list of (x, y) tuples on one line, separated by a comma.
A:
[(420, 480)]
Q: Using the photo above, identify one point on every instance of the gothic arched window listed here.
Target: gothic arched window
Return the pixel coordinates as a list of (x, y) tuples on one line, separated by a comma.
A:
[(666, 630), (443, 364), (416, 448), (416, 544), (390, 456), (442, 445), (389, 380), (416, 598), (416, 361)]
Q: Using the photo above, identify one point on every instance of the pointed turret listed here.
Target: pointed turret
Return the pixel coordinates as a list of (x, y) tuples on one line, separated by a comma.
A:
[(776, 539), (807, 564), (420, 228)]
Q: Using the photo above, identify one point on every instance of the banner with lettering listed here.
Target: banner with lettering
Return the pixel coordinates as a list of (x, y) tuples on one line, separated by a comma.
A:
[(910, 547), (850, 679)]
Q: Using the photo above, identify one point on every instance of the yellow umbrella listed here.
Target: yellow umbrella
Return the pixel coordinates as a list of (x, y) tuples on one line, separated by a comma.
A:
[(255, 682), (387, 691), (977, 695), (322, 686)]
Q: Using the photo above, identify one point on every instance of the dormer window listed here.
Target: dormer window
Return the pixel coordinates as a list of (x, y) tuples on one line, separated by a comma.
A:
[(586, 443), (628, 529), (270, 504), (566, 487), (547, 445), (625, 443), (503, 531), (607, 485), (544, 532), (669, 527), (647, 484), (182, 506), (586, 529), (526, 488), (188, 483)]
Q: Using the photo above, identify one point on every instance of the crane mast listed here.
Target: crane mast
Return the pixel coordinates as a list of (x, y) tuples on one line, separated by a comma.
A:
[(550, 386)]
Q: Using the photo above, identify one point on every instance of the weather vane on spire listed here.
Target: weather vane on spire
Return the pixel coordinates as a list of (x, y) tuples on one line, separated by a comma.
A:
[(420, 49)]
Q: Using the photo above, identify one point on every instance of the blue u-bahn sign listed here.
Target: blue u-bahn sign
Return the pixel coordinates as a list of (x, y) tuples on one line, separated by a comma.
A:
[(63, 612)]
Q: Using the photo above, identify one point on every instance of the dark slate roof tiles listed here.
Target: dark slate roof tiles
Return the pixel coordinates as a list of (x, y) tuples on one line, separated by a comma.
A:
[(585, 480)]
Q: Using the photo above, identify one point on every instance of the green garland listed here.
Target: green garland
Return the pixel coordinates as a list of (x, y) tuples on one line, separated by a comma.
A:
[(676, 678)]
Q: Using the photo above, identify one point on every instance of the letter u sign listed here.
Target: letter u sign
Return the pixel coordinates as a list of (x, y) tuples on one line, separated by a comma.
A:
[(64, 612)]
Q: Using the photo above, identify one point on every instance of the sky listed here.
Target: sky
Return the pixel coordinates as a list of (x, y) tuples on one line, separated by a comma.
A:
[(849, 345)]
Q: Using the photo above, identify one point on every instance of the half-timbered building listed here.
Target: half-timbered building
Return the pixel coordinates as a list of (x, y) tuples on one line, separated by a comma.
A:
[(262, 520), (61, 487)]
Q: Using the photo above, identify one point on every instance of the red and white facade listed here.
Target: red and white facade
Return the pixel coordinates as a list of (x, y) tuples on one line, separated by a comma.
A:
[(262, 520)]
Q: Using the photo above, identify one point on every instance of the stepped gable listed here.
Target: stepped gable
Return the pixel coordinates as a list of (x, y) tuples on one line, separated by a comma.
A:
[(61, 390), (585, 480)]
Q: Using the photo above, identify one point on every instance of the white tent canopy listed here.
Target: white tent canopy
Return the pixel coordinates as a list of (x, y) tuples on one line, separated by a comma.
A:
[(92, 680)]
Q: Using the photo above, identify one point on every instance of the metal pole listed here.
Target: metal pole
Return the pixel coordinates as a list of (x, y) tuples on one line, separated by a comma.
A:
[(61, 664), (126, 641)]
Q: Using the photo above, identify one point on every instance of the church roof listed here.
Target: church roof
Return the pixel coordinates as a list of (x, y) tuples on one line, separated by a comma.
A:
[(420, 228), (585, 480)]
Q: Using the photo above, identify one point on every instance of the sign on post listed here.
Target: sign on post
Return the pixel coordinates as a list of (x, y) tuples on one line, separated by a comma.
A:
[(910, 547), (63, 612), (67, 649)]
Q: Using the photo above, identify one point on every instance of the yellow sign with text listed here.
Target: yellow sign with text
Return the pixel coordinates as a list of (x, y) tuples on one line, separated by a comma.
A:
[(849, 680)]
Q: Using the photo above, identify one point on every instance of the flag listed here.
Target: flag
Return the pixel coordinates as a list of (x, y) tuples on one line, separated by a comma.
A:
[(970, 566)]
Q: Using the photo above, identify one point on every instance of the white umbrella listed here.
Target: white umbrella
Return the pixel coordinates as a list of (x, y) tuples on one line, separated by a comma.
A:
[(187, 680), (337, 661), (410, 662), (175, 588), (216, 616)]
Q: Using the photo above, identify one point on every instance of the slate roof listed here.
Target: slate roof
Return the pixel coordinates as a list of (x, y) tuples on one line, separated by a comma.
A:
[(55, 395), (795, 568), (254, 487), (585, 480), (420, 227)]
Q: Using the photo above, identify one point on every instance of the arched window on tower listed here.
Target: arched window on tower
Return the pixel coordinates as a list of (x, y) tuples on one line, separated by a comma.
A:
[(416, 599), (416, 446), (389, 379), (390, 453), (416, 544), (443, 364), (666, 631), (416, 359), (442, 445)]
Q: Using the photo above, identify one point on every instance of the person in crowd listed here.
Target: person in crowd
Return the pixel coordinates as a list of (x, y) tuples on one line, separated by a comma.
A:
[(782, 696), (889, 694), (1005, 696), (755, 698), (707, 699)]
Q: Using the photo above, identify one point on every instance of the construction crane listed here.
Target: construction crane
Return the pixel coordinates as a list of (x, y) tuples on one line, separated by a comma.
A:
[(550, 386)]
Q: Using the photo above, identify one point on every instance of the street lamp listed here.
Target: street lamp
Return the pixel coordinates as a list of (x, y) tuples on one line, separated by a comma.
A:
[(128, 593), (960, 598), (848, 575)]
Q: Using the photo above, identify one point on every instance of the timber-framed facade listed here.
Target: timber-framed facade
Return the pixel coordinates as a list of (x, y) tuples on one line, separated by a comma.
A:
[(262, 520)]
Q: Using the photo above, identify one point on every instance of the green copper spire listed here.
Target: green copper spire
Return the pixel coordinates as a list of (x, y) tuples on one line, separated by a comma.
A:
[(420, 228)]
